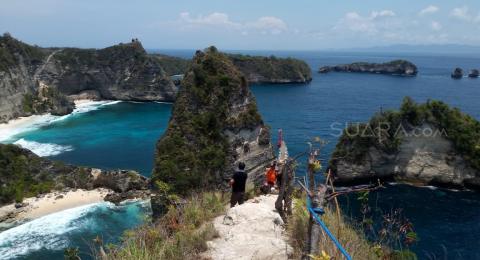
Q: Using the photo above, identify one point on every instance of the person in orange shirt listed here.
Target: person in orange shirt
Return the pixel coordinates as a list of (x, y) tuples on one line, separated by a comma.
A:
[(271, 175)]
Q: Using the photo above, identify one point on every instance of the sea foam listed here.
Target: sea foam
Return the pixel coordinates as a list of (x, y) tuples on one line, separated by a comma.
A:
[(42, 149), (48, 232), (17, 126)]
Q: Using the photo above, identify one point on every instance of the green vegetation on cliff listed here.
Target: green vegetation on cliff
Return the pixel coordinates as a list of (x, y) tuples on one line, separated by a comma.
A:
[(194, 150), (11, 49), (172, 65), (180, 234), (272, 69), (384, 131), (22, 174), (257, 69)]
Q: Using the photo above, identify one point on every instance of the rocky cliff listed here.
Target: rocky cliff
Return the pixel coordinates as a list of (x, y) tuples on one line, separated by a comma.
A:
[(214, 125), (272, 70), (422, 143), (396, 67), (24, 174), (257, 69), (38, 80)]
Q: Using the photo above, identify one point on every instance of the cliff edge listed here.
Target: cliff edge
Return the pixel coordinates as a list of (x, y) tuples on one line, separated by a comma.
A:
[(427, 143), (36, 80), (214, 125)]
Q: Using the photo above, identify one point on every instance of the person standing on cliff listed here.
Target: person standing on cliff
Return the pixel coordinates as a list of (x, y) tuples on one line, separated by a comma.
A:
[(238, 182)]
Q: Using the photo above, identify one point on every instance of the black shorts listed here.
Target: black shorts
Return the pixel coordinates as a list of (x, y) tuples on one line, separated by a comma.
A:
[(237, 197)]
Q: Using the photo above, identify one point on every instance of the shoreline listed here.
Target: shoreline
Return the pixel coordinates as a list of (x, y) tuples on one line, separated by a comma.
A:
[(49, 203), (27, 123)]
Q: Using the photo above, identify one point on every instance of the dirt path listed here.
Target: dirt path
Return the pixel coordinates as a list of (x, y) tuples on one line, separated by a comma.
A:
[(250, 231)]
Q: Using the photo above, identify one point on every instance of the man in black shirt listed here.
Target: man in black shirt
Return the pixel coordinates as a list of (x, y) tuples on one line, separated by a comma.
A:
[(238, 185)]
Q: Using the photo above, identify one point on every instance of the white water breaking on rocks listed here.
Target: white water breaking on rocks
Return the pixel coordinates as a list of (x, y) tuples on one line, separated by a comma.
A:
[(42, 149), (47, 232), (21, 125)]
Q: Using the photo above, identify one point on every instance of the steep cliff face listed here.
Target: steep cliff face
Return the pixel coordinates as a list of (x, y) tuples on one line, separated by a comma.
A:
[(20, 92), (36, 80), (214, 125), (396, 67), (272, 70), (121, 72), (428, 143), (24, 174), (257, 69)]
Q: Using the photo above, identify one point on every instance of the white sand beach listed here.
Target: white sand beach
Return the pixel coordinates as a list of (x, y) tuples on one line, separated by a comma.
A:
[(22, 124), (51, 203)]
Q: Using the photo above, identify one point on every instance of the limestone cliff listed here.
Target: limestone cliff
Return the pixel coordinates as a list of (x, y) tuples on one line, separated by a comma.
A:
[(272, 70), (427, 143), (396, 67), (37, 80), (24, 174), (257, 69), (215, 124)]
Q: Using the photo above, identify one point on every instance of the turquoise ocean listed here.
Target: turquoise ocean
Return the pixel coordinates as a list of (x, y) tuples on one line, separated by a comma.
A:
[(122, 135)]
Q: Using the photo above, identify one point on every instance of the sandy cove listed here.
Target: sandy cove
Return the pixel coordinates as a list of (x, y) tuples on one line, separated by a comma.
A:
[(50, 203)]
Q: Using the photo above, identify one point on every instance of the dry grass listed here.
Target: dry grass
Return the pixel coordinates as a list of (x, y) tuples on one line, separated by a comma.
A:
[(351, 238), (181, 234)]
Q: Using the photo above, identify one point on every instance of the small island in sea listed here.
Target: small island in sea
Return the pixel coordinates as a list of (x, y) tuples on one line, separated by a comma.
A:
[(429, 144), (396, 67)]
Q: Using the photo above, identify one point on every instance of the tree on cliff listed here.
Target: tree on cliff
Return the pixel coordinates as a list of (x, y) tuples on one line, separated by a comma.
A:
[(213, 104)]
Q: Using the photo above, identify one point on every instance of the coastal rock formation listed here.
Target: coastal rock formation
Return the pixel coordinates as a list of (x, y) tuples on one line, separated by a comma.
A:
[(24, 174), (427, 144), (396, 67), (214, 125), (474, 73), (457, 73), (257, 69), (36, 80), (272, 70)]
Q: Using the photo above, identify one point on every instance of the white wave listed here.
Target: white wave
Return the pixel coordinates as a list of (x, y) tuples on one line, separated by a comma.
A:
[(48, 232), (24, 124), (42, 149), (87, 106), (161, 102), (30, 123)]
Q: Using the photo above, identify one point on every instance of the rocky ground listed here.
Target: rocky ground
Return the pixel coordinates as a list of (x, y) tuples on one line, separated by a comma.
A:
[(253, 230)]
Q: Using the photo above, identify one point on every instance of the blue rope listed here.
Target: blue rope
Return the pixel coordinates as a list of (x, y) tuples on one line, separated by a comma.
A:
[(324, 227), (334, 239)]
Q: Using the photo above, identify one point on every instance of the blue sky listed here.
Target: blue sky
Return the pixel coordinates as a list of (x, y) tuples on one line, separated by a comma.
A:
[(242, 24)]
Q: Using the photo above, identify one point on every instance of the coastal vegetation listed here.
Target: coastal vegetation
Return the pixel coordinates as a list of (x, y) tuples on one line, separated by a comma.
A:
[(194, 150), (182, 233), (23, 175), (395, 67), (172, 65), (272, 69), (384, 131), (10, 46), (350, 234)]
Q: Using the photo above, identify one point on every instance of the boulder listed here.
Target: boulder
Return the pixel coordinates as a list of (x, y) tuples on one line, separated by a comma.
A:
[(457, 73), (474, 73)]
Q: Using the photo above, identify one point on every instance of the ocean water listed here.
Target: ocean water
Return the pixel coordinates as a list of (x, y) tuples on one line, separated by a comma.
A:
[(123, 135), (48, 236)]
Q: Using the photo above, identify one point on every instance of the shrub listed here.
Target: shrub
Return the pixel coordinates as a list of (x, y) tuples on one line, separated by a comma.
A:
[(181, 234)]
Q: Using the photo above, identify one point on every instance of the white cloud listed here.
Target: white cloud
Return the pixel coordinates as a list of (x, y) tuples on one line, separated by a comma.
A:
[(370, 24), (431, 9), (265, 24), (383, 13), (269, 24), (463, 13), (213, 19), (436, 26)]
